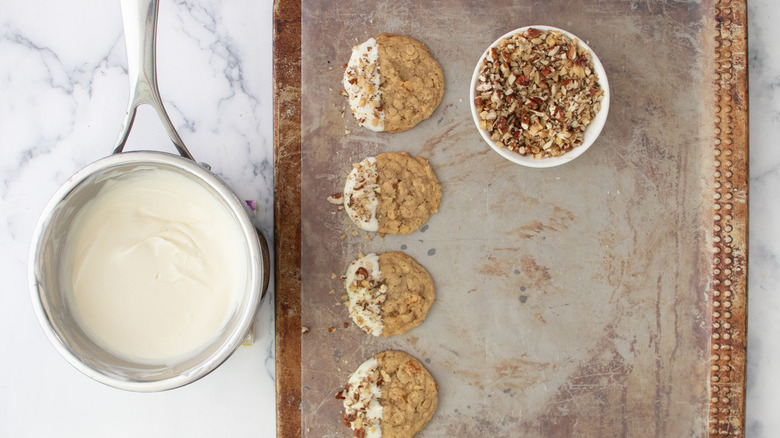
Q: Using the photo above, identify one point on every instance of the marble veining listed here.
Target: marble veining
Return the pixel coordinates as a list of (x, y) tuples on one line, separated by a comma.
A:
[(63, 92), (763, 382), (63, 95)]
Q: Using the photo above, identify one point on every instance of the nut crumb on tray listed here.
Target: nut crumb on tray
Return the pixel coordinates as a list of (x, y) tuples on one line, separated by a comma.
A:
[(536, 93)]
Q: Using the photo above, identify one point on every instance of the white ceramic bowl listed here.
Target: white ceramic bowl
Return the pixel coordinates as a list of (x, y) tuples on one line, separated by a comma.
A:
[(591, 132)]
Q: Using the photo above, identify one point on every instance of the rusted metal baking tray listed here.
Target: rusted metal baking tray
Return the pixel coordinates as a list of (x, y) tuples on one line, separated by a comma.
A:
[(605, 297)]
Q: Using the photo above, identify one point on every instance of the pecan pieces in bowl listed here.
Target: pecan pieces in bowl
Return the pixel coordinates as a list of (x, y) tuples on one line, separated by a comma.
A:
[(539, 93)]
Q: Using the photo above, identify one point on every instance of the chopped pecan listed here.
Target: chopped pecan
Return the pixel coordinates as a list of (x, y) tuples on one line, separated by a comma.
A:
[(361, 271), (533, 33)]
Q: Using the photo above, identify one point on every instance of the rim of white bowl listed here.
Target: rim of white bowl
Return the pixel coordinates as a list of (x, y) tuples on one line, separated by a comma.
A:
[(591, 133)]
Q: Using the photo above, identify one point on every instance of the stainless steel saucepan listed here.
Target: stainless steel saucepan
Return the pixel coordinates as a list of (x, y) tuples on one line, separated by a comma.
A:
[(48, 291)]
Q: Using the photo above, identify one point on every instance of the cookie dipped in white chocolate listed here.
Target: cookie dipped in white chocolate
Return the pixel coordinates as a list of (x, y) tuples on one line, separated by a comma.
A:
[(391, 394)]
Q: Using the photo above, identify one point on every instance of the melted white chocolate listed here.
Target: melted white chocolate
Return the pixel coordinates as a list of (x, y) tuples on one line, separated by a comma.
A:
[(360, 195), (361, 399), (366, 294), (361, 82), (157, 265)]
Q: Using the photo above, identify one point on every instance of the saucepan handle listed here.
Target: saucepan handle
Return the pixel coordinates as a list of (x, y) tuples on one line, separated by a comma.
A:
[(139, 18)]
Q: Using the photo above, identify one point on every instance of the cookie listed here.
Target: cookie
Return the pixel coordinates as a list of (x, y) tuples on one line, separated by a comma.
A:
[(391, 193), (392, 83), (391, 395), (389, 294)]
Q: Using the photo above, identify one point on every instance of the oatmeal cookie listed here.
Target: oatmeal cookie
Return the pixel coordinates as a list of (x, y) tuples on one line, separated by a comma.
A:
[(389, 294), (393, 83), (390, 395), (392, 193)]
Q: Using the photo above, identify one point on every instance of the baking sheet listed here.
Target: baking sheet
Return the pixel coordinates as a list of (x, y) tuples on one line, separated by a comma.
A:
[(571, 301)]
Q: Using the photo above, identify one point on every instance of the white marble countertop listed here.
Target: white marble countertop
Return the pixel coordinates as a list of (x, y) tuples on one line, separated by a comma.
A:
[(63, 95), (63, 92)]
